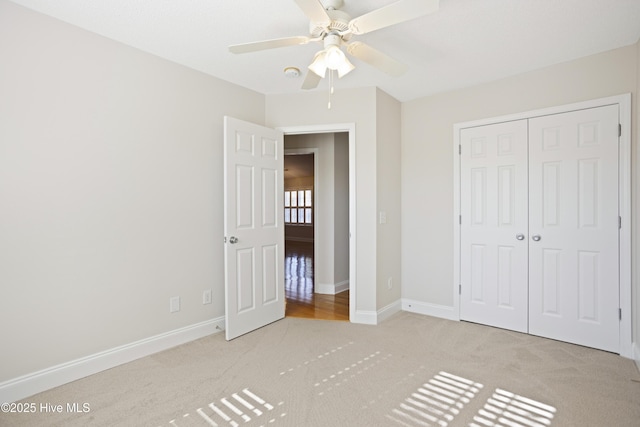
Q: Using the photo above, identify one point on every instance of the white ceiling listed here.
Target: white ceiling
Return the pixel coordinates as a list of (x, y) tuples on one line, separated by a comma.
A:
[(466, 42)]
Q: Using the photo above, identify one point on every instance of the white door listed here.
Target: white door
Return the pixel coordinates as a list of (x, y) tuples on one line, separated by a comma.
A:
[(494, 252), (253, 226), (574, 276)]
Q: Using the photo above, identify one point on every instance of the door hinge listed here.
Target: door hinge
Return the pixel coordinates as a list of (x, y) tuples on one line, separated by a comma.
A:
[(619, 223), (619, 314), (460, 219), (460, 289), (460, 149), (619, 129)]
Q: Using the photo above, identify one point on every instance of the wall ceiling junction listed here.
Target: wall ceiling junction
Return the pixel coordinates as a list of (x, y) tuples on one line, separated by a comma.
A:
[(467, 42)]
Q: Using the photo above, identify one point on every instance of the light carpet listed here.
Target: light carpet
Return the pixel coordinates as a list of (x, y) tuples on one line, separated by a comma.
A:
[(411, 370)]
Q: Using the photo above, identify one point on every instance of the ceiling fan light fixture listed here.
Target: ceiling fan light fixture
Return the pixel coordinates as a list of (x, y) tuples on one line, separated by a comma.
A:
[(319, 66), (332, 58), (345, 67)]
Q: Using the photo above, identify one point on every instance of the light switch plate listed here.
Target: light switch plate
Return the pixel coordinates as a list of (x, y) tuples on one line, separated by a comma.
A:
[(174, 304)]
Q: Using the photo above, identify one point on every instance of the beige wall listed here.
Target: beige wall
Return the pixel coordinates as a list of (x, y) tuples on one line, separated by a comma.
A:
[(427, 156), (388, 200), (110, 186)]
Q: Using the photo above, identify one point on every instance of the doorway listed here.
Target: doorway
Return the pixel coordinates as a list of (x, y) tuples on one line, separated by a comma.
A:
[(316, 200)]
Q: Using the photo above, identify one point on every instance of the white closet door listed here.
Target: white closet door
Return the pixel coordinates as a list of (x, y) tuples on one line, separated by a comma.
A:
[(494, 234), (573, 196)]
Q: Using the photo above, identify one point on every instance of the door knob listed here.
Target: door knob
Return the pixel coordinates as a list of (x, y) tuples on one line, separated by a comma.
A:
[(536, 237), (233, 240), (520, 236)]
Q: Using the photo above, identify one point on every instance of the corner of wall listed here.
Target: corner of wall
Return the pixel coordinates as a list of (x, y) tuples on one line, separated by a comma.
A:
[(389, 310)]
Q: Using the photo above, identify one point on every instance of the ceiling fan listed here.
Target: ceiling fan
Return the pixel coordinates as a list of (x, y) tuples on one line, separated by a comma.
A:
[(335, 28)]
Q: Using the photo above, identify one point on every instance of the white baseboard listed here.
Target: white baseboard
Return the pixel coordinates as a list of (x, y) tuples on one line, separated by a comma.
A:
[(374, 317), (435, 310), (331, 288), (342, 286), (388, 311), (364, 317), (36, 382)]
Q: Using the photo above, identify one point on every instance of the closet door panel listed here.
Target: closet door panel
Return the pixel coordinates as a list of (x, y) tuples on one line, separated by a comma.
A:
[(573, 196), (494, 212)]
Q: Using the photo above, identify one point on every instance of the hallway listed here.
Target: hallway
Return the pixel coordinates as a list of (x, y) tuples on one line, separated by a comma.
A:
[(299, 287)]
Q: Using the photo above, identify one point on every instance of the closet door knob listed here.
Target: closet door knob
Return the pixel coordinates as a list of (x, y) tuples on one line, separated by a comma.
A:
[(520, 236), (536, 237), (233, 240)]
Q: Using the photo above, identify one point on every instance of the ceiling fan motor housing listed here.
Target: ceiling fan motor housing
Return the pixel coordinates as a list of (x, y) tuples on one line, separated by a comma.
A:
[(339, 24)]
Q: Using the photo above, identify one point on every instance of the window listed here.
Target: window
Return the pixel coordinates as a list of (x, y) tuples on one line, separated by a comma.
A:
[(298, 207)]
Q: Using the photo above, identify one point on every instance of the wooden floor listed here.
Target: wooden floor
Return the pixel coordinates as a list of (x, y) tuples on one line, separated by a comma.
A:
[(299, 290)]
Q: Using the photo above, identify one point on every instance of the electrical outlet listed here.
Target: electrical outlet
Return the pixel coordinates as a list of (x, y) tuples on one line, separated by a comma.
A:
[(206, 296), (174, 304), (390, 283)]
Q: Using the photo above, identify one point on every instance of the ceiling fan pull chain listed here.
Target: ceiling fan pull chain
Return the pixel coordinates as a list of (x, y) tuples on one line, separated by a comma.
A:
[(331, 80), (330, 88)]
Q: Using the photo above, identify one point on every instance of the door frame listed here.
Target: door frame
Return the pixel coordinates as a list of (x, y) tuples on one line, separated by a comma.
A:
[(623, 102), (350, 128)]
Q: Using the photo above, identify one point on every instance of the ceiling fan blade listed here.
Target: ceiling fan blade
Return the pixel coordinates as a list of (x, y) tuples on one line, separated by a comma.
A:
[(315, 11), (395, 13), (269, 44), (376, 58), (311, 80)]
